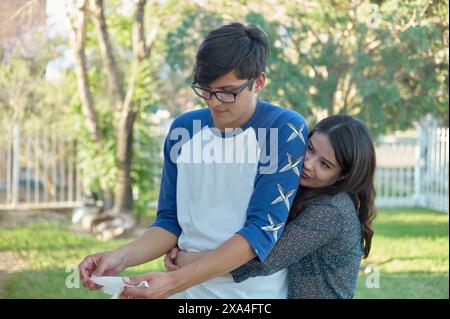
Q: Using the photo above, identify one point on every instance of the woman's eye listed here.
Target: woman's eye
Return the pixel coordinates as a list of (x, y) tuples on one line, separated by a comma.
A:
[(325, 164)]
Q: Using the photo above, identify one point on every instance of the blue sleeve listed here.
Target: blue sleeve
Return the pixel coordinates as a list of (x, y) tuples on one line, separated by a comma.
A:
[(167, 202), (275, 189)]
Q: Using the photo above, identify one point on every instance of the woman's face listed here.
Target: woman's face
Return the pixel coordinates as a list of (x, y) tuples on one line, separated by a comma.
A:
[(320, 167)]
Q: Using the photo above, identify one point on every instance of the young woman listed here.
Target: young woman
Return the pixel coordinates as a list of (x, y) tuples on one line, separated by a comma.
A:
[(329, 227)]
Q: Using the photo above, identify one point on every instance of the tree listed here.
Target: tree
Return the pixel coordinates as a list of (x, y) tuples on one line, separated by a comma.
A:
[(385, 62), (126, 103)]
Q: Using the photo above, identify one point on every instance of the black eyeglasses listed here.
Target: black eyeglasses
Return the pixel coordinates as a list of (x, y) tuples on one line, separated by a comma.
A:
[(222, 96)]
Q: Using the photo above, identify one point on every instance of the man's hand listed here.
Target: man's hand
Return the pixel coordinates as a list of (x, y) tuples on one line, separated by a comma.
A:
[(169, 259), (101, 264)]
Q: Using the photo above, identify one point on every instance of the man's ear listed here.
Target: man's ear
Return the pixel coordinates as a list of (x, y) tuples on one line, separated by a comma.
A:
[(259, 82)]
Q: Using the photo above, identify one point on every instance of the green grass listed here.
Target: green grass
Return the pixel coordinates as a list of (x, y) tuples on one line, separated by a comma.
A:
[(48, 250), (410, 250)]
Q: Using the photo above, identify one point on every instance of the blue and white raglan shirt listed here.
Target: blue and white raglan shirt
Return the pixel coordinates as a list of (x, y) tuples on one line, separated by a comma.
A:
[(216, 184)]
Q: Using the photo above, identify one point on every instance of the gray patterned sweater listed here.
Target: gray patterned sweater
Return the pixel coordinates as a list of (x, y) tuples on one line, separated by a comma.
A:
[(321, 249)]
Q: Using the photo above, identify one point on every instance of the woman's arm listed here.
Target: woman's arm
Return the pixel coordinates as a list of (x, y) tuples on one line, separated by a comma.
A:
[(312, 229), (288, 250)]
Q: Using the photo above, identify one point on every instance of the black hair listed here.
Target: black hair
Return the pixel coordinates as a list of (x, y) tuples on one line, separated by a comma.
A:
[(243, 49), (355, 154)]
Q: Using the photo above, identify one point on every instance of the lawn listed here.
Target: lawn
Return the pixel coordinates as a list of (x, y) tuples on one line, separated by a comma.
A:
[(410, 255)]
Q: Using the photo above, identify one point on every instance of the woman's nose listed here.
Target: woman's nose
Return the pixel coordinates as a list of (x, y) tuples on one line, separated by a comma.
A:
[(308, 162)]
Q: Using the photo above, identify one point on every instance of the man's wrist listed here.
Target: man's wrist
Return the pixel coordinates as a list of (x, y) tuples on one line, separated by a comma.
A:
[(123, 256)]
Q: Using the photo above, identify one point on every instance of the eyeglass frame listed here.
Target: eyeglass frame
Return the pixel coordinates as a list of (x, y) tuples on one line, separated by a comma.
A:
[(234, 93)]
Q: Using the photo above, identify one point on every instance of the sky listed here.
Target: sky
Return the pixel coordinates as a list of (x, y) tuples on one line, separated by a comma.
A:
[(57, 24)]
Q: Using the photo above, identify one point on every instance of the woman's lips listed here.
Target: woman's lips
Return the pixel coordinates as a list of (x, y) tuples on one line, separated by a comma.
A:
[(304, 176)]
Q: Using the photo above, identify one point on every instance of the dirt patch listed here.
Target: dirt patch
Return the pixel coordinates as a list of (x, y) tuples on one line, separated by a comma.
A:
[(19, 218)]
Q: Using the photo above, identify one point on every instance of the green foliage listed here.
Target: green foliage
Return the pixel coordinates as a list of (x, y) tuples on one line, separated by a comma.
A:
[(385, 62)]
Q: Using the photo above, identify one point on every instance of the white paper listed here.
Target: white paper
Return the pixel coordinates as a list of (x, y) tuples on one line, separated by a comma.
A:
[(114, 286)]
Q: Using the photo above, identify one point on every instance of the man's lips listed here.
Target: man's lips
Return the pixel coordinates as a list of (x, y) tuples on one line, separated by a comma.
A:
[(218, 111)]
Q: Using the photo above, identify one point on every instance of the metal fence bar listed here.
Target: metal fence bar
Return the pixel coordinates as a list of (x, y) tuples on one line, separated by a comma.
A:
[(62, 171), (28, 170), (36, 167), (15, 165), (70, 171), (8, 168), (78, 178), (53, 164), (45, 165)]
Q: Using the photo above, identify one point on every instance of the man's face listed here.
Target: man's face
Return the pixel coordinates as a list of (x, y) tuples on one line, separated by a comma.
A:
[(233, 115)]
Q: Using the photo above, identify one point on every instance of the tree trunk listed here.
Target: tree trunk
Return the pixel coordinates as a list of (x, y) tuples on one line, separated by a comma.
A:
[(331, 104), (123, 193), (107, 196), (114, 82)]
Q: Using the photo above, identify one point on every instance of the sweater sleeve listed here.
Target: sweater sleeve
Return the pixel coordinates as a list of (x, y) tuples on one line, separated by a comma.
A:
[(315, 227)]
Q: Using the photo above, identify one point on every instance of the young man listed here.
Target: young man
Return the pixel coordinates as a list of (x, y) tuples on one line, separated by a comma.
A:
[(230, 175)]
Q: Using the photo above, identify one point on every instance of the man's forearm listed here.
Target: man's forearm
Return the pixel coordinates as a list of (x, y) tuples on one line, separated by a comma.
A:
[(233, 253), (152, 244)]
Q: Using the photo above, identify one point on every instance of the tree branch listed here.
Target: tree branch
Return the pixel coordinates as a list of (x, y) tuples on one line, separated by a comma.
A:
[(78, 39), (114, 81), (140, 52)]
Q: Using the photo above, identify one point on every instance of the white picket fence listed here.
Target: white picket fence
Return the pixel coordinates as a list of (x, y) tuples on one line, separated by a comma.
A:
[(415, 172)]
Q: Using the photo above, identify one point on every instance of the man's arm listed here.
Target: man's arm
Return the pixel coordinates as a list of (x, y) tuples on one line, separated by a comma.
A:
[(156, 241), (152, 244)]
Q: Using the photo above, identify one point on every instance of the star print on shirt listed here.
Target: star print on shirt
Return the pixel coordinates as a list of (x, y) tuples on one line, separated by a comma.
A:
[(284, 197), (273, 227), (296, 132), (292, 165)]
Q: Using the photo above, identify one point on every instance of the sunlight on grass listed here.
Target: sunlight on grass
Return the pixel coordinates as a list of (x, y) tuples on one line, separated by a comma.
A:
[(410, 249)]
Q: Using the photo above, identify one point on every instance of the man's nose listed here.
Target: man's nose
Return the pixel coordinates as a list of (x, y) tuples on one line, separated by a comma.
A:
[(213, 102)]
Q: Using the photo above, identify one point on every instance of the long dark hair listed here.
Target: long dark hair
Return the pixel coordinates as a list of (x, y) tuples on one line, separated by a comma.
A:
[(355, 153)]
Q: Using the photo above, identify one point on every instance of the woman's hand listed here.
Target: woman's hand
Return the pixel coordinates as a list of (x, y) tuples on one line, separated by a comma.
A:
[(176, 258), (161, 285), (169, 259), (184, 258)]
